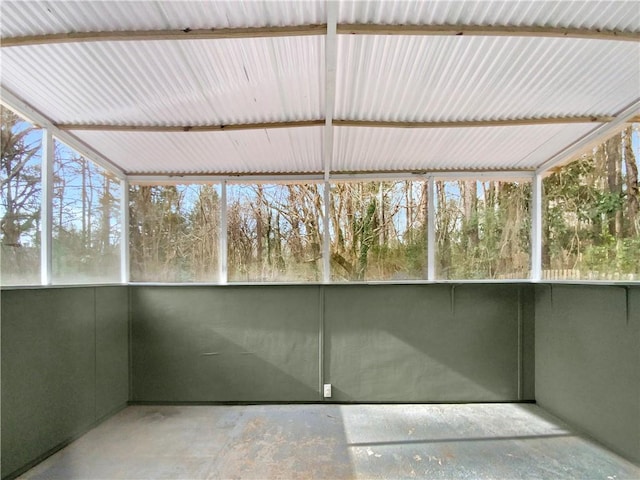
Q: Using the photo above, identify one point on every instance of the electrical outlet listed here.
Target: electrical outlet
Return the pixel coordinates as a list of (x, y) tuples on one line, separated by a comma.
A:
[(327, 390)]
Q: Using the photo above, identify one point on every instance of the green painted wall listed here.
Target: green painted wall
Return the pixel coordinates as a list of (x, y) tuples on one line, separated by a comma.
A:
[(588, 360), (66, 361), (64, 366), (246, 344), (404, 343), (427, 343), (112, 349)]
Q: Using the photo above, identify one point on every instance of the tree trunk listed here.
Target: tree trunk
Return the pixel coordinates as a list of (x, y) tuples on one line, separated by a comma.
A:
[(633, 192), (259, 230), (470, 207), (382, 229), (614, 181), (366, 240), (106, 215)]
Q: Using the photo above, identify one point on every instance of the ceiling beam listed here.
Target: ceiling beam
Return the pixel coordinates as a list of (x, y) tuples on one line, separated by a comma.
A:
[(321, 29), (148, 35), (486, 31), (593, 138), (438, 174), (339, 123), (160, 179), (330, 63), (340, 176), (11, 101), (474, 123), (188, 128)]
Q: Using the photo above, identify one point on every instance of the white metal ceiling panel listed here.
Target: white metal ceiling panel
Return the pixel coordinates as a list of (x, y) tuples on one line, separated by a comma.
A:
[(47, 17), (415, 78), (22, 18), (606, 15), (190, 82), (387, 78), (499, 148), (280, 150)]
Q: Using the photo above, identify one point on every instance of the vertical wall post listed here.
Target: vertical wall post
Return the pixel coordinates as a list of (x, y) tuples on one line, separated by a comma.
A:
[(124, 231), (222, 253), (431, 228), (536, 227), (330, 61), (46, 212), (326, 237)]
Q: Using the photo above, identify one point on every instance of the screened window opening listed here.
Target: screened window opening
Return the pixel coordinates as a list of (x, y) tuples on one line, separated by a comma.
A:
[(174, 233), (86, 220), (275, 232), (483, 230), (378, 230), (20, 200), (591, 217)]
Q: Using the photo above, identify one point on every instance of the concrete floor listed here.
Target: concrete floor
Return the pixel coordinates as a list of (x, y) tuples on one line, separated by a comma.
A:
[(497, 441)]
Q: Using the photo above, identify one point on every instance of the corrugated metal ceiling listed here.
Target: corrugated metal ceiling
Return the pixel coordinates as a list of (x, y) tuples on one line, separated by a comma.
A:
[(379, 78), (190, 82), (412, 78), (613, 15), (21, 18), (488, 148), (47, 17), (274, 151)]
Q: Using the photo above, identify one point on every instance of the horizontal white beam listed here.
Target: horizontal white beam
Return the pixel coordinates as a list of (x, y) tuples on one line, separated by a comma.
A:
[(179, 179), (485, 175), (11, 101), (347, 177), (438, 175), (338, 177), (593, 138)]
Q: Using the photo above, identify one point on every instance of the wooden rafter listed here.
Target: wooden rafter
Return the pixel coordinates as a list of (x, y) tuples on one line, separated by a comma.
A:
[(474, 123), (321, 29), (340, 123), (487, 30), (189, 128), (147, 35)]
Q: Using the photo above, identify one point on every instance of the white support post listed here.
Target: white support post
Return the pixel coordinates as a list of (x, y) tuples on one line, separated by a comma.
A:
[(536, 227), (330, 61), (431, 229), (46, 212), (326, 237), (124, 231), (222, 252)]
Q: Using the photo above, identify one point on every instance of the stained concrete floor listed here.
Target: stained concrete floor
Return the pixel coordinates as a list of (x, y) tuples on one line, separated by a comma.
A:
[(481, 441)]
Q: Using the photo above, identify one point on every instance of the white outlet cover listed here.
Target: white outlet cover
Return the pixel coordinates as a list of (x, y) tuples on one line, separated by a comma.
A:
[(327, 390)]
